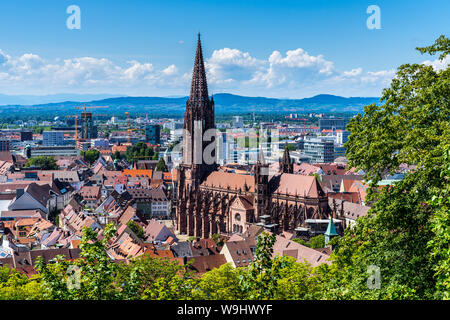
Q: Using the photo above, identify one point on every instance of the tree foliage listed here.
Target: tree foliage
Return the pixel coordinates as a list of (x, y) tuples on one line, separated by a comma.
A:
[(161, 166), (260, 279), (314, 242), (146, 277), (117, 155), (410, 127), (91, 155), (136, 228), (95, 268), (140, 151), (43, 162), (17, 286), (440, 224)]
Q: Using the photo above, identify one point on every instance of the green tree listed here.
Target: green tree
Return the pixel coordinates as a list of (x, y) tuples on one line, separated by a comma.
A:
[(172, 288), (404, 230), (217, 239), (161, 166), (314, 242), (96, 269), (136, 228), (17, 286), (298, 281), (102, 278), (45, 163), (151, 278), (91, 155), (116, 155), (220, 284), (440, 244), (302, 242), (317, 241), (292, 147), (259, 281), (140, 151)]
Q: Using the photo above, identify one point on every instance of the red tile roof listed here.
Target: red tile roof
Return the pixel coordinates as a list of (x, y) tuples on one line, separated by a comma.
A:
[(296, 184), (232, 180), (137, 173), (90, 192)]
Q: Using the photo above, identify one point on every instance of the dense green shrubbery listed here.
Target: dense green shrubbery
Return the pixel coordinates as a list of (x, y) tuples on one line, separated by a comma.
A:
[(156, 278), (45, 163)]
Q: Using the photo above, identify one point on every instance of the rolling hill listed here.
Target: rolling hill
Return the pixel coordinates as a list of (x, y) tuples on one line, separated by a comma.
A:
[(225, 103)]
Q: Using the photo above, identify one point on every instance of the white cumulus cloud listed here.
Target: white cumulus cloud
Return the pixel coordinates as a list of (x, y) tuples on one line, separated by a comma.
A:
[(438, 64), (31, 74), (294, 73)]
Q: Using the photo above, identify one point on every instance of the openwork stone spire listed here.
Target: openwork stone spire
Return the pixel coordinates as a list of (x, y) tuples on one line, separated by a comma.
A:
[(286, 166), (198, 120), (261, 159), (199, 87)]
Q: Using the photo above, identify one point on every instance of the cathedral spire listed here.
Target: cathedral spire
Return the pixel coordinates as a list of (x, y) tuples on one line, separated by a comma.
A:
[(286, 156), (198, 119), (261, 159), (199, 87), (286, 166)]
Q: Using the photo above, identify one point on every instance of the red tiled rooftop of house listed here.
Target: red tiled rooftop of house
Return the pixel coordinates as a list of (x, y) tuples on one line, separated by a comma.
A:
[(90, 192), (137, 173)]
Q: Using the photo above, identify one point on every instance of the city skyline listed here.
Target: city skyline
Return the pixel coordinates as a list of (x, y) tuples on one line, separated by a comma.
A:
[(141, 49), (203, 150)]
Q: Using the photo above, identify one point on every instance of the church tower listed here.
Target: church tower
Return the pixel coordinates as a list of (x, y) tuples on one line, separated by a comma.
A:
[(198, 120), (198, 147), (286, 165), (262, 196)]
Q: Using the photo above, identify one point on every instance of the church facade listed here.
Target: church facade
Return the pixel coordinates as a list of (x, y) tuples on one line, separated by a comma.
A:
[(213, 201)]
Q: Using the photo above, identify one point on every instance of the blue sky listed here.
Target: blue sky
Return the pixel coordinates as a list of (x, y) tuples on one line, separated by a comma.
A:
[(271, 48)]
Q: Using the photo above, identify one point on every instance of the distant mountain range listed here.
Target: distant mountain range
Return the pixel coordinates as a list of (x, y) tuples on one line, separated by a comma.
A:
[(225, 103)]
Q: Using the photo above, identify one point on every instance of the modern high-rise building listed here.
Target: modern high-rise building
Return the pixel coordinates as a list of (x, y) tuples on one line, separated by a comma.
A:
[(226, 149), (153, 133), (332, 124), (320, 149), (342, 136), (52, 138), (52, 151), (26, 135), (339, 151), (173, 124), (100, 143), (238, 122), (88, 129)]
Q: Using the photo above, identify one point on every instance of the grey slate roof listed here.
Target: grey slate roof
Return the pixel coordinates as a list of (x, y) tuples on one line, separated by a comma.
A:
[(182, 249)]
